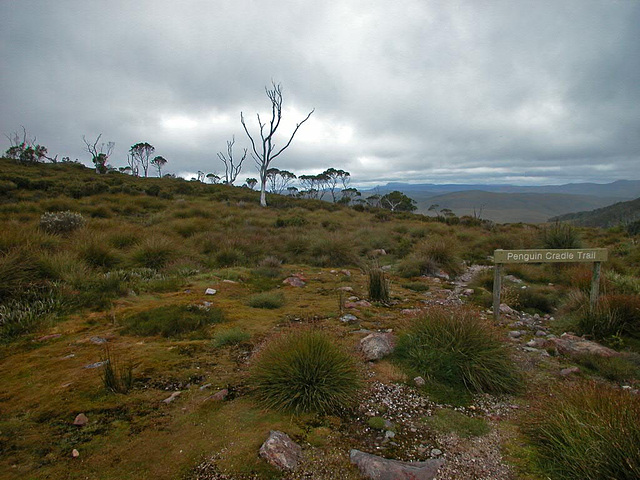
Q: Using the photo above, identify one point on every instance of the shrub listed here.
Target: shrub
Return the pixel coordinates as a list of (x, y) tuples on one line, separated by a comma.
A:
[(171, 320), (561, 235), (586, 431), (229, 257), (231, 336), (332, 251), (430, 257), (416, 286), (61, 222), (305, 372), (269, 267), (268, 300), (459, 349), (627, 310), (116, 378), (296, 221), (378, 285)]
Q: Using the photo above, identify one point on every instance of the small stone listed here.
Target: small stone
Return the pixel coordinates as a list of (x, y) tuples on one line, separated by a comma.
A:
[(506, 309), (389, 434), (49, 337), (467, 292), (81, 420), (346, 289), (229, 281), (219, 396), (346, 273), (565, 372), (436, 452), (96, 364), (98, 340), (210, 291), (294, 281), (280, 451), (378, 252), (515, 333), (205, 386), (75, 453), (348, 318), (419, 381), (541, 333), (171, 397)]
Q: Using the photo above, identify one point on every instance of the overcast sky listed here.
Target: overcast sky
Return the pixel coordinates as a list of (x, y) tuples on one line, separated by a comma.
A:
[(524, 92)]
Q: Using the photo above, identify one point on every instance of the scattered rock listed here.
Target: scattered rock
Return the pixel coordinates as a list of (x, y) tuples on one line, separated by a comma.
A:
[(49, 337), (81, 420), (75, 453), (378, 468), (389, 434), (219, 396), (98, 340), (378, 252), (419, 381), (376, 345), (348, 318), (357, 304), (467, 292), (536, 343), (513, 279), (571, 345), (515, 333), (507, 310), (346, 273), (436, 452), (280, 451), (205, 386), (565, 372), (210, 291), (171, 397), (229, 281), (541, 333), (346, 289), (96, 365), (294, 281)]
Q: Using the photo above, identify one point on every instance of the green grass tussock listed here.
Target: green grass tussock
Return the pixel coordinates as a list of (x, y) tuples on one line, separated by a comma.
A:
[(268, 300), (586, 432), (171, 320), (230, 336), (459, 349), (305, 372)]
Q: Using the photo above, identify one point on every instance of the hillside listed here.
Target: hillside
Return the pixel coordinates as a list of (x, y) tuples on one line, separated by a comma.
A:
[(159, 328), (621, 213), (512, 207)]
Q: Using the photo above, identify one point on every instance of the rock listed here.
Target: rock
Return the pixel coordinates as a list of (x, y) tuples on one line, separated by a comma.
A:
[(389, 434), (229, 281), (171, 397), (210, 291), (513, 279), (376, 345), (515, 333), (348, 318), (96, 365), (536, 343), (81, 420), (280, 451), (363, 303), (467, 292), (565, 372), (385, 268), (219, 396), (49, 337), (75, 453), (419, 381), (294, 281), (378, 252), (205, 386), (346, 273), (436, 452), (346, 289), (98, 340), (506, 309), (571, 346), (541, 333), (378, 468)]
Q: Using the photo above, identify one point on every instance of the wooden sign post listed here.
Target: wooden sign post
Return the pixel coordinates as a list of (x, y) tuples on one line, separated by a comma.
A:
[(595, 255)]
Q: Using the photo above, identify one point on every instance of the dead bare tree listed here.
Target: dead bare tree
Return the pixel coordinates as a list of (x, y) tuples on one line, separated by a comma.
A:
[(231, 170), (266, 152), (25, 149), (99, 155)]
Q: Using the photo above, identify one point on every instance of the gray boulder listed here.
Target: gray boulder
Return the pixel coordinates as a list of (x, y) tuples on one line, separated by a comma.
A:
[(378, 468), (280, 451), (376, 345)]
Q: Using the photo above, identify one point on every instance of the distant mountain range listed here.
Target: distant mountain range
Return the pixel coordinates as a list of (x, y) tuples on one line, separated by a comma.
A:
[(514, 203), (619, 213)]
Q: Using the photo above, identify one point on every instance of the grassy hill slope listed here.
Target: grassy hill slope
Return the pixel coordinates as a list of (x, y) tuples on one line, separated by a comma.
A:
[(621, 213)]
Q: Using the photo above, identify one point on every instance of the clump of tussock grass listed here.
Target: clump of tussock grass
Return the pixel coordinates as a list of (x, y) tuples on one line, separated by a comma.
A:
[(116, 377), (459, 349), (560, 235), (331, 250), (18, 317), (154, 252), (269, 300), (230, 336), (586, 431), (429, 257), (305, 372), (378, 284), (617, 369), (171, 320), (269, 266), (19, 271)]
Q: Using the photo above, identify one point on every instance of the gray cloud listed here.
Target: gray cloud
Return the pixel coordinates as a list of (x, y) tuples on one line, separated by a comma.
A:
[(501, 91)]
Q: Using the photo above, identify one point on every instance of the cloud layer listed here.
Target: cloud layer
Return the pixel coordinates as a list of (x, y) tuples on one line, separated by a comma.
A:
[(442, 92)]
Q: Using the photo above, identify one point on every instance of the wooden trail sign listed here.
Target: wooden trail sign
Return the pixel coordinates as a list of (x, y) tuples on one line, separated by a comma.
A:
[(595, 255)]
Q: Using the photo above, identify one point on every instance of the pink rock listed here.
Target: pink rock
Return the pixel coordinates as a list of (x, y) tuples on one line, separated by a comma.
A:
[(49, 337), (280, 451), (81, 420), (219, 396), (571, 345), (171, 397), (294, 281)]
